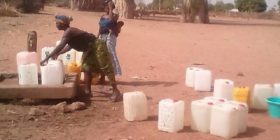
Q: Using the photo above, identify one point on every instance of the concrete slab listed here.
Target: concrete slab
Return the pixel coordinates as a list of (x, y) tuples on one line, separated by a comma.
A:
[(9, 89)]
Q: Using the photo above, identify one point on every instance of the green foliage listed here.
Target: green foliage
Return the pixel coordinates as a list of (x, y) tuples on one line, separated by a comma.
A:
[(164, 4), (211, 7), (251, 5), (220, 6)]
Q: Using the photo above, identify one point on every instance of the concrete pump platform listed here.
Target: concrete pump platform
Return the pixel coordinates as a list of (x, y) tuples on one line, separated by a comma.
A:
[(10, 89)]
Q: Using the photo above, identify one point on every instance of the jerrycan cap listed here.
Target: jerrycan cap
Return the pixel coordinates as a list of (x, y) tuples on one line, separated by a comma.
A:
[(210, 103)]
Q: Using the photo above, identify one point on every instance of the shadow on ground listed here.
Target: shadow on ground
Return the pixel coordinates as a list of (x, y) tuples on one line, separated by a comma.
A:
[(251, 132), (147, 83)]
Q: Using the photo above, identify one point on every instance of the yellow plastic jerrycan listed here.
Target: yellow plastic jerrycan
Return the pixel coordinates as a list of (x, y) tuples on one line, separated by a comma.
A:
[(241, 94), (95, 78), (73, 67)]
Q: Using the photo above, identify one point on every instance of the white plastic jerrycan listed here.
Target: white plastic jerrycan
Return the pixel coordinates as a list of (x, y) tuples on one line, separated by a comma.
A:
[(25, 57), (68, 57), (243, 110), (28, 74), (276, 89), (260, 93), (52, 73), (223, 88), (135, 106), (46, 51), (190, 76), (201, 114), (224, 120), (215, 100), (171, 115), (203, 80), (79, 57)]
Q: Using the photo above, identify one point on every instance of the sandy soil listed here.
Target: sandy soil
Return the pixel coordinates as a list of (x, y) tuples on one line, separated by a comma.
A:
[(156, 50)]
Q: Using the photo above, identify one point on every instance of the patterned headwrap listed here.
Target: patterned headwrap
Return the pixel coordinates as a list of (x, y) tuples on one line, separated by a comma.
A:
[(105, 3), (63, 19)]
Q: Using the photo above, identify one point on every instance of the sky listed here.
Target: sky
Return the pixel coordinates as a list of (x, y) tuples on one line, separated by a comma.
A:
[(270, 3)]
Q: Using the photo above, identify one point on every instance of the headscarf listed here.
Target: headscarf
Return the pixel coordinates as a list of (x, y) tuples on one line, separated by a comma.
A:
[(105, 3), (63, 19)]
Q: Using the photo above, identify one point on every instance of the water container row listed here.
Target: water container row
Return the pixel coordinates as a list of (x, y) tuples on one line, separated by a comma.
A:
[(170, 113), (200, 79), (213, 115), (256, 99), (219, 117), (51, 74), (71, 59), (67, 57)]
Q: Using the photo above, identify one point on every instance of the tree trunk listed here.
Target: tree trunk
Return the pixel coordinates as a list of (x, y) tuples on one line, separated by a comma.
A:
[(186, 11), (193, 8), (203, 12), (125, 8)]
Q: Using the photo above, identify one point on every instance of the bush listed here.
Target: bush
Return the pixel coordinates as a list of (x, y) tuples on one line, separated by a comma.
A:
[(7, 10), (31, 6)]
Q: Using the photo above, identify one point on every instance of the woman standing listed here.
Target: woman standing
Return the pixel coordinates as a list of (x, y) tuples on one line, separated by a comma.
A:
[(109, 28)]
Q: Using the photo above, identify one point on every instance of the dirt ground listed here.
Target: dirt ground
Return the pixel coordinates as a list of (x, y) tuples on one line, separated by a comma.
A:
[(154, 53)]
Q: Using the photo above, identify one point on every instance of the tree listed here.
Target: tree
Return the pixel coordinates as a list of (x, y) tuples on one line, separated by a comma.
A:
[(251, 5), (211, 7), (81, 4), (125, 8), (229, 6), (193, 8), (220, 6), (164, 4), (279, 4), (167, 4), (30, 6)]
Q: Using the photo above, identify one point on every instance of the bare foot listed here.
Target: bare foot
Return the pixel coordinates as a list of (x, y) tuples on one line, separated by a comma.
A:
[(116, 96)]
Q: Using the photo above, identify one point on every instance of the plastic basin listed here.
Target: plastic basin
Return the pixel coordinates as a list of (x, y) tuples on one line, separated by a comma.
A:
[(273, 106)]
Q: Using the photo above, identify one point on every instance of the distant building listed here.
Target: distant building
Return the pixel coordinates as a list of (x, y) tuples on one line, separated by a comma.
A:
[(234, 10)]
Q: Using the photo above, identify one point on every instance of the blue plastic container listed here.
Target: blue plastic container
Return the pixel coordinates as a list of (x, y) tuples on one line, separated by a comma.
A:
[(273, 106)]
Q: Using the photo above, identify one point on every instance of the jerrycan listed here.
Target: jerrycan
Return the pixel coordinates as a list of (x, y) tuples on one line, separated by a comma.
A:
[(28, 74), (25, 57), (241, 94), (223, 88), (52, 73), (190, 76), (224, 120), (203, 80), (68, 57), (171, 115), (260, 93), (135, 106)]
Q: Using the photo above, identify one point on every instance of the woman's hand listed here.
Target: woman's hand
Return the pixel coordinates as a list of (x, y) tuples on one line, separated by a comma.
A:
[(54, 57), (43, 63)]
